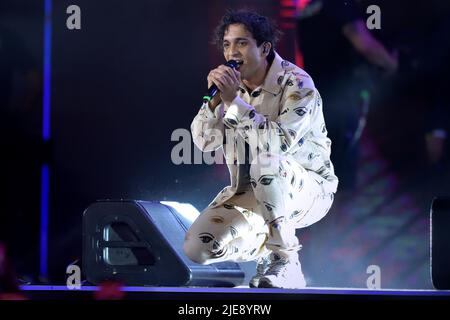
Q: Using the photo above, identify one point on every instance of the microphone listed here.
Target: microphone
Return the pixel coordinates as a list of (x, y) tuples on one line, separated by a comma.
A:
[(212, 91)]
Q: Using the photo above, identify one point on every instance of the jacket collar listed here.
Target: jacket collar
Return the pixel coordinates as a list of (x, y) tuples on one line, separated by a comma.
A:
[(271, 83)]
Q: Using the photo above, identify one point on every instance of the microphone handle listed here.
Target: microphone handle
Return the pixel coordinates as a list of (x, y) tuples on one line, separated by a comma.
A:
[(212, 91)]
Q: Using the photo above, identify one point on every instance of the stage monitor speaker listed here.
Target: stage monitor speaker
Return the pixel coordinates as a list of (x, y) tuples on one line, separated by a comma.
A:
[(440, 243), (140, 244)]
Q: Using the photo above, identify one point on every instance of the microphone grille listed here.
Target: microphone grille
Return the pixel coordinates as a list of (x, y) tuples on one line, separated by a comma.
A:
[(232, 64)]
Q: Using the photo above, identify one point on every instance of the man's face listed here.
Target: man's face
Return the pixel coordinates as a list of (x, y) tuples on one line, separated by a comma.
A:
[(239, 45)]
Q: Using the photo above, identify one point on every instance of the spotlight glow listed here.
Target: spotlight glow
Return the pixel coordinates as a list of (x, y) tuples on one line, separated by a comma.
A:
[(187, 210)]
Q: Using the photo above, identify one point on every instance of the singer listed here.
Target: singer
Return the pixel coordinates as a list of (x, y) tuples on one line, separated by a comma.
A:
[(278, 155)]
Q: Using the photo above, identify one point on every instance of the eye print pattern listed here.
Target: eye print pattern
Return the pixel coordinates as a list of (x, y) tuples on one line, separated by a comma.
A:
[(206, 237)]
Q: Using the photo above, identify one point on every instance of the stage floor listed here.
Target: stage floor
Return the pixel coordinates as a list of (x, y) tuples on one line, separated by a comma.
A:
[(238, 293)]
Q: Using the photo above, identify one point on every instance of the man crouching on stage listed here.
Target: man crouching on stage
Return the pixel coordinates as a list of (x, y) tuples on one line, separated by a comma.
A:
[(278, 156)]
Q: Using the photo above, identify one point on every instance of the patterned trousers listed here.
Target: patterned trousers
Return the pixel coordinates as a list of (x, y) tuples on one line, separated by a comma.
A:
[(282, 197)]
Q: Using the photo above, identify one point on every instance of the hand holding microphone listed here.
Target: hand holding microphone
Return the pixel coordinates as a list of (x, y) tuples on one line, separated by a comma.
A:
[(225, 80)]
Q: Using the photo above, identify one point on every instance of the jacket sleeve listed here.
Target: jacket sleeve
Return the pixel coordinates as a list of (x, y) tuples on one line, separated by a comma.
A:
[(294, 120), (207, 128)]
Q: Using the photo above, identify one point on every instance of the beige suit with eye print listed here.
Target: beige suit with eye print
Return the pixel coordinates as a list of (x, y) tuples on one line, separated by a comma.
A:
[(275, 143)]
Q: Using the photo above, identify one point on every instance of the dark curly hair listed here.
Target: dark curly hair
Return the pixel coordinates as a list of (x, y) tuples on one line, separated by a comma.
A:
[(262, 28)]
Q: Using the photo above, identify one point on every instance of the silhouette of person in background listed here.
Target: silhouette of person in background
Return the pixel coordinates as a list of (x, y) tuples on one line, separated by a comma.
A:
[(342, 56)]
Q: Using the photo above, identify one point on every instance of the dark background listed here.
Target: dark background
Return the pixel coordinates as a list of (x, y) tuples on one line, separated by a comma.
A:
[(136, 71)]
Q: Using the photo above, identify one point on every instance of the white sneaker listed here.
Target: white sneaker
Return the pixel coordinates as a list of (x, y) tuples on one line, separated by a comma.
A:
[(262, 264), (283, 272)]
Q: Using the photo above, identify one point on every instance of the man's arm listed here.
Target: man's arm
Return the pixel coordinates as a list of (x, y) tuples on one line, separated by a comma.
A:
[(294, 121), (207, 128), (368, 46)]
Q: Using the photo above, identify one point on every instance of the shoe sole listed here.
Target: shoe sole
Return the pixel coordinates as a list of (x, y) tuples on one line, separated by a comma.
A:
[(266, 284)]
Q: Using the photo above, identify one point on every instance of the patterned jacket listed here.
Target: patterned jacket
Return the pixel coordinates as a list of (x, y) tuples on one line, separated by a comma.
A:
[(282, 116)]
